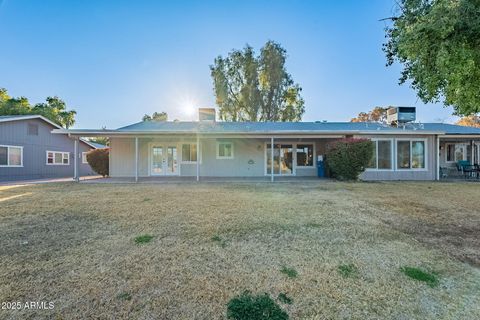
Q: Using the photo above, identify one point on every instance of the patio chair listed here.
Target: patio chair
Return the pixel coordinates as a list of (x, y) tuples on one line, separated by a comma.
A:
[(468, 170), (461, 164)]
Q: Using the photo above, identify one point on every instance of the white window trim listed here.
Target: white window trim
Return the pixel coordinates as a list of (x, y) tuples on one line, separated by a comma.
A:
[(465, 156), (425, 141), (84, 154), (57, 164), (181, 153), (295, 156), (218, 149), (8, 165), (392, 154)]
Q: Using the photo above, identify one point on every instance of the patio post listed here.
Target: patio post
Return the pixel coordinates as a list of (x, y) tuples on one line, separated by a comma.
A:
[(271, 159), (437, 157), (472, 147), (136, 159), (198, 158), (76, 174)]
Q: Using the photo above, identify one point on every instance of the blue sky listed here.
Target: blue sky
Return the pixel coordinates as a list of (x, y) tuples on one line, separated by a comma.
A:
[(114, 61)]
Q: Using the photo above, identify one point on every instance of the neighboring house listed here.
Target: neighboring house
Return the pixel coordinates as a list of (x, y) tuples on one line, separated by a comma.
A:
[(29, 150), (412, 151)]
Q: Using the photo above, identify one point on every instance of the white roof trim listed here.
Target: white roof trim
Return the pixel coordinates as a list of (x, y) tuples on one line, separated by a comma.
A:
[(93, 133), (27, 117)]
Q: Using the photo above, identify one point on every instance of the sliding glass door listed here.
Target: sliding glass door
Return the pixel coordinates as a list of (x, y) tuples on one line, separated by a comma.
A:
[(282, 159)]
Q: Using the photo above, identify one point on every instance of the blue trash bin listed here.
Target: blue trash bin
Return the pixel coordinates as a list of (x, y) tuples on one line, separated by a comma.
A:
[(320, 167)]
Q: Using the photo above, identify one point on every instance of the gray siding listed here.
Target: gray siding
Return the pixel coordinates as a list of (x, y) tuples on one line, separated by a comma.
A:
[(34, 151)]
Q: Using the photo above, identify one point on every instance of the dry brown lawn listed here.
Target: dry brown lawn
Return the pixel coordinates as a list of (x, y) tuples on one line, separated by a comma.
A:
[(74, 245)]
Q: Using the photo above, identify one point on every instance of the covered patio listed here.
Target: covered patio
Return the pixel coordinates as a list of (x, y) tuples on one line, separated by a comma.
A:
[(459, 158)]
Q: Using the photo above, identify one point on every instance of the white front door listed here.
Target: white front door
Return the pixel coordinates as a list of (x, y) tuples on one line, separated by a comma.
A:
[(164, 160)]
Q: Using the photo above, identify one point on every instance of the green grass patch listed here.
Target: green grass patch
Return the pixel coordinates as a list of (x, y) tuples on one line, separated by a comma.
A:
[(124, 296), (147, 199), (348, 270), (282, 297), (254, 307), (144, 238), (429, 278), (289, 272), (312, 225), (216, 238)]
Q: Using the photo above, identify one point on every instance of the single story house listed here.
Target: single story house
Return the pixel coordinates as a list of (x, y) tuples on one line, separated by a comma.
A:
[(209, 148), (29, 150)]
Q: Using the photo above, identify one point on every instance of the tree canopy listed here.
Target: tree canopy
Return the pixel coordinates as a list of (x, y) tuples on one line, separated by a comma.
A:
[(470, 121), (256, 88), (378, 114), (438, 43), (156, 116), (53, 109)]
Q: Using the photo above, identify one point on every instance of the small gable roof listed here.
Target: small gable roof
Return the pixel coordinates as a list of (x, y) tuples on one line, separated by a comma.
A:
[(27, 117)]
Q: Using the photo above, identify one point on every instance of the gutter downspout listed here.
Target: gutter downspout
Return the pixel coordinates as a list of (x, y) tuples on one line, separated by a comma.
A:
[(437, 176)]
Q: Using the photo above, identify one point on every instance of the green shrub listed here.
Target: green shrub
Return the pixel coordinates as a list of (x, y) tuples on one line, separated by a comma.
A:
[(249, 307), (415, 273), (98, 161), (347, 158)]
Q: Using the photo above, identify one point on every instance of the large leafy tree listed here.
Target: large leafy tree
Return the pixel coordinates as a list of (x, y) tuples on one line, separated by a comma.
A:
[(53, 109), (438, 43), (378, 114), (256, 88)]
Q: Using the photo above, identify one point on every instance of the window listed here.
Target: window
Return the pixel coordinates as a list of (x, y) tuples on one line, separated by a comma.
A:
[(224, 150), (382, 155), (11, 156), (84, 158), (411, 154), (189, 152), (58, 158), (456, 152), (304, 155), (32, 129)]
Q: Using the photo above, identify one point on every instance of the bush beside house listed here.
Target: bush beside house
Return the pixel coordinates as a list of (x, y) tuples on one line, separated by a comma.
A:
[(347, 158), (98, 160)]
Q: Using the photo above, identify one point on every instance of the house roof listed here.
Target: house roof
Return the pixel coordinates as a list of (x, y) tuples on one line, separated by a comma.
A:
[(96, 145), (36, 116), (183, 127), (93, 145), (26, 117)]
